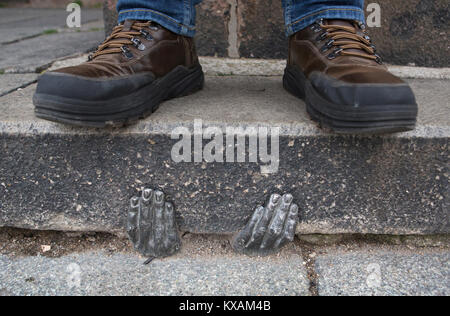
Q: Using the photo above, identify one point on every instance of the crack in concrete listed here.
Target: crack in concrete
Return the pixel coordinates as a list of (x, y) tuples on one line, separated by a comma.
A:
[(16, 88), (44, 67), (57, 30), (21, 39)]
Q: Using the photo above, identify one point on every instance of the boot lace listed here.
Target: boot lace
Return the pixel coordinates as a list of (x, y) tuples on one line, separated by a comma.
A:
[(344, 40), (119, 40)]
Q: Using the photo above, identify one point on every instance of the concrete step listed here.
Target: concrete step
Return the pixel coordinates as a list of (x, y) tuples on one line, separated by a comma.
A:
[(31, 39), (48, 263), (54, 177)]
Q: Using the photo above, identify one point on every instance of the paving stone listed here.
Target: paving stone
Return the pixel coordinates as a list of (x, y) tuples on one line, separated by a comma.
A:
[(384, 273), (49, 3), (11, 82), (98, 273), (37, 53), (395, 184), (17, 24)]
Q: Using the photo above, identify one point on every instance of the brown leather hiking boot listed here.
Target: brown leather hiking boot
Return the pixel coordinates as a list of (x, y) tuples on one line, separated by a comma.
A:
[(140, 65), (333, 66)]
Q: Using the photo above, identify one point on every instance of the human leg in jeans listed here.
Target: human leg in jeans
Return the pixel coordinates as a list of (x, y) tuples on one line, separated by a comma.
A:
[(332, 65), (177, 16)]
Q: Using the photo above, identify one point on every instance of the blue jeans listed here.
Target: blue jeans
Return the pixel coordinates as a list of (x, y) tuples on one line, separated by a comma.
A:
[(179, 15)]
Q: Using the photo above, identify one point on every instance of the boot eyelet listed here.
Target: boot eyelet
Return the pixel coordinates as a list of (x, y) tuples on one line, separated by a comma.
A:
[(335, 53), (146, 35), (138, 44), (322, 36), (378, 60), (327, 46), (154, 27), (126, 52), (317, 26)]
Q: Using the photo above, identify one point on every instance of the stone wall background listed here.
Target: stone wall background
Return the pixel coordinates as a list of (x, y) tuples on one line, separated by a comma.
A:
[(412, 32)]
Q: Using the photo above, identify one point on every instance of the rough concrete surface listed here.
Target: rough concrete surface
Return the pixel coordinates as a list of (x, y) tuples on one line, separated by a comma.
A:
[(384, 185), (383, 273), (98, 273), (214, 22)]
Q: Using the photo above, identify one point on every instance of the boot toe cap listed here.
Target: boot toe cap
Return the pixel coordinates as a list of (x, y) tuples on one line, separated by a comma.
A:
[(363, 90), (74, 86)]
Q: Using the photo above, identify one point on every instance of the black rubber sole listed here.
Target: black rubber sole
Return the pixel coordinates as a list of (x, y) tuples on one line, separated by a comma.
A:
[(179, 82), (379, 120)]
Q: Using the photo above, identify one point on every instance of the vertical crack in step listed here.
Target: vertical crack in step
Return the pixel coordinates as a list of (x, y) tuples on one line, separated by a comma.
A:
[(233, 26), (309, 257)]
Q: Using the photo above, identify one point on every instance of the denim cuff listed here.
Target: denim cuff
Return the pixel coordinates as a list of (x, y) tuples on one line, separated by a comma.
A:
[(162, 19), (342, 13)]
